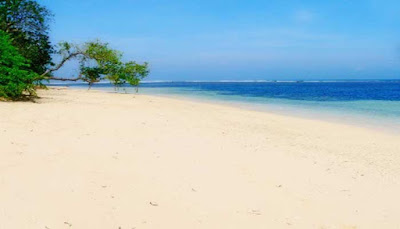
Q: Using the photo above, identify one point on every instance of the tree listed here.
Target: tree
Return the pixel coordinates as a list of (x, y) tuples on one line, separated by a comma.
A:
[(98, 62), (16, 79), (26, 22)]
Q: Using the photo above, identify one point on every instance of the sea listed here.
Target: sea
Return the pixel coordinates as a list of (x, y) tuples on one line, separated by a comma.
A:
[(366, 103)]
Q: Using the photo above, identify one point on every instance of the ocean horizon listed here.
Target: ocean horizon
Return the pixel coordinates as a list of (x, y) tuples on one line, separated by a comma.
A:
[(372, 103)]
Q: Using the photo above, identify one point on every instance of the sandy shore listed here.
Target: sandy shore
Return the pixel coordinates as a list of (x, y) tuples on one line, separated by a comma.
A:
[(79, 159)]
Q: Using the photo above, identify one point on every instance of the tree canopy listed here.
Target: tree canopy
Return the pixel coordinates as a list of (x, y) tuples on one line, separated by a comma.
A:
[(27, 23)]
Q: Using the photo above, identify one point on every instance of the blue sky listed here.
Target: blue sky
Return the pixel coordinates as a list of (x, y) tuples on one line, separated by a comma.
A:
[(253, 39)]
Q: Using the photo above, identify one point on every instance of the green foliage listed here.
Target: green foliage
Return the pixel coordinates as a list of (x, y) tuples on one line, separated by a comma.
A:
[(100, 62), (26, 22), (16, 79)]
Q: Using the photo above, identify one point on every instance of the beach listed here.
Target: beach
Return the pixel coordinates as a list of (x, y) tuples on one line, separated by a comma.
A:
[(90, 159)]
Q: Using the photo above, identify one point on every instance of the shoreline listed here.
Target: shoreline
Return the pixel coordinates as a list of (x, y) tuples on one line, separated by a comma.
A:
[(104, 160), (380, 124)]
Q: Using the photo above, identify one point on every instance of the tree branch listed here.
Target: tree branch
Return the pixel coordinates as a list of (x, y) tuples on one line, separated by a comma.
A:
[(70, 56), (65, 79)]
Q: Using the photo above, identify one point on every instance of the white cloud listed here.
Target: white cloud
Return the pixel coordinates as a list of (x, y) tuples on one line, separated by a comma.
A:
[(303, 16)]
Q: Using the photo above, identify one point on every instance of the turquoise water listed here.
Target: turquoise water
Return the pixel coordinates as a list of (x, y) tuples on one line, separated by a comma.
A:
[(373, 104), (369, 113)]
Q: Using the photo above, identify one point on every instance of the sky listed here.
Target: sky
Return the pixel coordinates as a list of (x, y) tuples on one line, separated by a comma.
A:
[(240, 40)]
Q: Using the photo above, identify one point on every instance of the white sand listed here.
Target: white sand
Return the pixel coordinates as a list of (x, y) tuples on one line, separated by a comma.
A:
[(79, 159)]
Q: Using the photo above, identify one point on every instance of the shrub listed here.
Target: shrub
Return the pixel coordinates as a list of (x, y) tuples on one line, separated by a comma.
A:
[(16, 80)]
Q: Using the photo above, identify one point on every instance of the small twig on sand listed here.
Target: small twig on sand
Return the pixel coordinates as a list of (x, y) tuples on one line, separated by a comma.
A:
[(153, 204)]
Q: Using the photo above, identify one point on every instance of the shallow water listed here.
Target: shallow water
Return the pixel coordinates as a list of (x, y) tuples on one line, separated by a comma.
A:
[(370, 103)]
